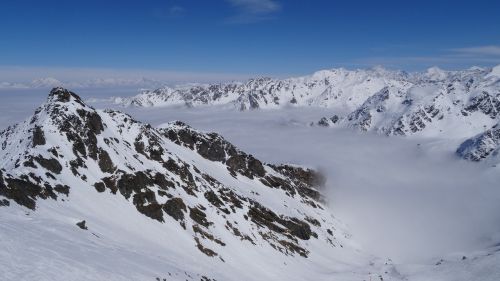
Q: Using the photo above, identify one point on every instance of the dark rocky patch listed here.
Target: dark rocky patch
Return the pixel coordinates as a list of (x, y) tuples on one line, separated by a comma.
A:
[(64, 189), (129, 183), (213, 198), (50, 164), (50, 176), (75, 164), (152, 210), (99, 186), (293, 248), (92, 121), (267, 218), (110, 183), (206, 235), (4, 202), (29, 163), (161, 181), (204, 250), (82, 225), (199, 216), (215, 148), (304, 181), (62, 95), (23, 192), (175, 208), (105, 163), (313, 221), (38, 136), (486, 103)]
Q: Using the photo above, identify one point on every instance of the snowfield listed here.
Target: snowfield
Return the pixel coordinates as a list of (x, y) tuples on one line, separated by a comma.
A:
[(405, 208)]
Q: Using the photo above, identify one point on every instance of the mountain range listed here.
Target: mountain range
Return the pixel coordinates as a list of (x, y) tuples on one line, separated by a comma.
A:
[(461, 105)]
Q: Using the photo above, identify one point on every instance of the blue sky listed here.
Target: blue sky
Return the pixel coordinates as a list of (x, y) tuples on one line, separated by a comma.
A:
[(274, 37)]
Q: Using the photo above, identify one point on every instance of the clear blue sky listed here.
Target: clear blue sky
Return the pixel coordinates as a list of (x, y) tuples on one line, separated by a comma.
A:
[(249, 36)]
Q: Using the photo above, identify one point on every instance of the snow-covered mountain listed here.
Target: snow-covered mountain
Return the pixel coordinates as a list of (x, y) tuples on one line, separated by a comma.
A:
[(458, 103), (439, 103), (190, 204), (336, 88), (434, 103)]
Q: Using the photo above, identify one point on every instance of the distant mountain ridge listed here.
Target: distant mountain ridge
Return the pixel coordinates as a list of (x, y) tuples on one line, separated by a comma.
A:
[(435, 103), (327, 88)]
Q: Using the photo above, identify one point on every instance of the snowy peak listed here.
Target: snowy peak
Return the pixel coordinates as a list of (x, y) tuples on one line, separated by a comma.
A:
[(185, 182), (62, 95)]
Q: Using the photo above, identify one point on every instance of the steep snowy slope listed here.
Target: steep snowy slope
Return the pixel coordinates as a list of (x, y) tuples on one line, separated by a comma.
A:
[(483, 146), (95, 191)]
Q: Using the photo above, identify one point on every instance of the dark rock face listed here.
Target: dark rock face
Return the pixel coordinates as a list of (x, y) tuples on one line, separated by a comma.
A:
[(212, 197), (203, 249), (152, 210), (290, 227), (62, 95), (4, 202), (38, 136), (265, 217), (485, 102), (129, 183), (415, 121), (105, 162), (300, 180), (63, 189), (82, 225), (100, 187), (175, 208), (197, 215), (210, 146), (22, 191), (50, 164), (215, 148)]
